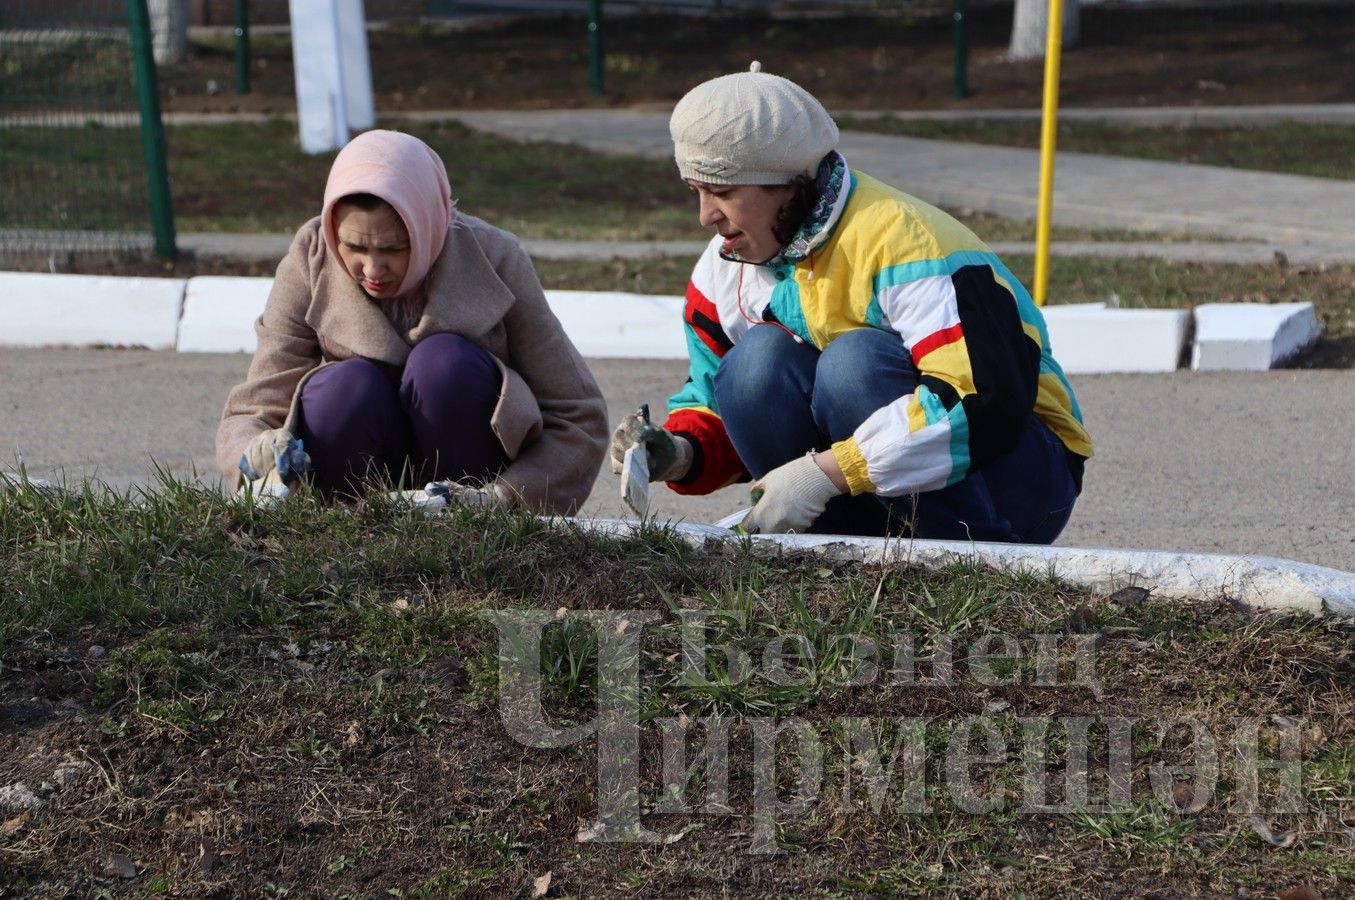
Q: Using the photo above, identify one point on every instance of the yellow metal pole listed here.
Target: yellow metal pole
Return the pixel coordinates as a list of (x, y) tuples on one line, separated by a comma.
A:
[(1049, 128)]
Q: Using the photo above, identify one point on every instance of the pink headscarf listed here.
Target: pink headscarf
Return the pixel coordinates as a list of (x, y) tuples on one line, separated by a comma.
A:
[(406, 173)]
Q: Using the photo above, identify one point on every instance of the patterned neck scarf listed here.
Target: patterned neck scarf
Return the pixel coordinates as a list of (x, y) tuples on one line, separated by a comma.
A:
[(828, 182)]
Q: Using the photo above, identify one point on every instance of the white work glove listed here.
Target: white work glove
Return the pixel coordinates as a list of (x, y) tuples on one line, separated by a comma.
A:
[(274, 455), (437, 494), (789, 498), (668, 455)]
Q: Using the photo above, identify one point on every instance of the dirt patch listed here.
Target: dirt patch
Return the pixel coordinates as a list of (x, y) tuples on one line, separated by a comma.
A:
[(315, 767), (1129, 55)]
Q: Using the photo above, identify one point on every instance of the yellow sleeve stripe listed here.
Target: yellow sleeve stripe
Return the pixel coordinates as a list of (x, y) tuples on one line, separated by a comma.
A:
[(950, 363), (917, 416), (701, 409), (853, 465)]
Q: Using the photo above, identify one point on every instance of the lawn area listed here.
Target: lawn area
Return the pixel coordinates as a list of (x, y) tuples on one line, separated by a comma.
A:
[(1293, 148), (536, 190), (309, 699), (253, 177)]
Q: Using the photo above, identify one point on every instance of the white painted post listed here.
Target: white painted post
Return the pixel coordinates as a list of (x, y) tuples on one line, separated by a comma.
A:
[(169, 30), (1030, 28), (333, 74), (360, 111)]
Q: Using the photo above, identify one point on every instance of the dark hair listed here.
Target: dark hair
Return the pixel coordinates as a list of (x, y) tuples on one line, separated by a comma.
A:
[(804, 194), (362, 201)]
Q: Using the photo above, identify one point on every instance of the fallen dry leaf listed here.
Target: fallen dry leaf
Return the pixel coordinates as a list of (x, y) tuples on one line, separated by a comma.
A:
[(1129, 597), (121, 865), (541, 885), (206, 856), (12, 826), (1301, 892)]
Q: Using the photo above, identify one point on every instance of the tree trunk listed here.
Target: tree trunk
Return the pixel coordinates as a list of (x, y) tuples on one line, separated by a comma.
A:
[(1030, 25)]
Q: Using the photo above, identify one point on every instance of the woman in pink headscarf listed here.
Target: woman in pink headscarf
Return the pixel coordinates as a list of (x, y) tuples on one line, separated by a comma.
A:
[(407, 341)]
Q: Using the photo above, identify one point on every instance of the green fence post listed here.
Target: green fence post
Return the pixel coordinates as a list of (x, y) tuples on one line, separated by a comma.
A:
[(241, 46), (152, 130), (595, 47), (961, 49)]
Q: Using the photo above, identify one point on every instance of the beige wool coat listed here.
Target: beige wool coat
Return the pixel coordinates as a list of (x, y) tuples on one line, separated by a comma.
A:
[(550, 416)]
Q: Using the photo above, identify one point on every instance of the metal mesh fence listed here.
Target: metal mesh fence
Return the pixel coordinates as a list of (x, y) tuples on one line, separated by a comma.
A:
[(72, 169)]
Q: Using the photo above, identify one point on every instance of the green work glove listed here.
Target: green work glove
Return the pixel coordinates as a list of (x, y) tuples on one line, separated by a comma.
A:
[(789, 498), (274, 451), (668, 455)]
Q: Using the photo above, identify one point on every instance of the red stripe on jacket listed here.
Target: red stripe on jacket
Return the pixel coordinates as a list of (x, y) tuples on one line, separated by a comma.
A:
[(716, 464), (699, 307), (935, 341)]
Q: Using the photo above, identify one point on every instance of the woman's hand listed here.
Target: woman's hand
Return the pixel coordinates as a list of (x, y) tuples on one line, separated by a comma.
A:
[(790, 498), (274, 451), (669, 455)]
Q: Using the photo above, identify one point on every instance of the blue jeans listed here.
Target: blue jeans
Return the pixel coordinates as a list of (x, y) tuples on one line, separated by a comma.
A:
[(780, 399)]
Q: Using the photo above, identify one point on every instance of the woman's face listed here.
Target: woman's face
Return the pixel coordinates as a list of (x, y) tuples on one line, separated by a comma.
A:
[(373, 246), (744, 215)]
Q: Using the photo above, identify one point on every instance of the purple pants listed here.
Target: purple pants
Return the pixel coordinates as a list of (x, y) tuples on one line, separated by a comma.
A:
[(360, 419)]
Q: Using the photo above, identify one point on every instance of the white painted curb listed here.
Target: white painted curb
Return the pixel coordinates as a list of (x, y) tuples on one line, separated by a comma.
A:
[(219, 314), (1251, 336), (1091, 338), (625, 326), (41, 310), (1256, 582)]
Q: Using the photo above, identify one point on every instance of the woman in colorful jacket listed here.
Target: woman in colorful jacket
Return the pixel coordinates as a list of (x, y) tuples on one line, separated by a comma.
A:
[(405, 340), (861, 354)]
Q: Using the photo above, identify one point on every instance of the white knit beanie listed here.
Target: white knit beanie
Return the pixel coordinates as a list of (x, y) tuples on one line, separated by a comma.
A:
[(750, 128)]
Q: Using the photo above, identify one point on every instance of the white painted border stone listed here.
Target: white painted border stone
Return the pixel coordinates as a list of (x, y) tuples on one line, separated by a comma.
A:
[(219, 314), (624, 326), (1251, 336), (1091, 338), (42, 310), (1257, 582)]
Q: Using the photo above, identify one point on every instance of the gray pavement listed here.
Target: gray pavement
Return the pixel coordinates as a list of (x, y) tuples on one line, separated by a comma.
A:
[(1256, 463), (1220, 116)]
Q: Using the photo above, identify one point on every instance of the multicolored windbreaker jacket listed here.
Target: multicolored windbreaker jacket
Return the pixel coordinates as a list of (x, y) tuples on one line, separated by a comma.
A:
[(874, 257)]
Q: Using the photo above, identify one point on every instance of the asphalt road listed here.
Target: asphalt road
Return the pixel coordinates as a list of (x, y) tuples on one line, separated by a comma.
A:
[(1235, 463)]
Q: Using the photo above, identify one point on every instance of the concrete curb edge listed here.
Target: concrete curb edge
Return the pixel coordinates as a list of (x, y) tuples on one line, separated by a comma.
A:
[(1256, 583), (217, 313)]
